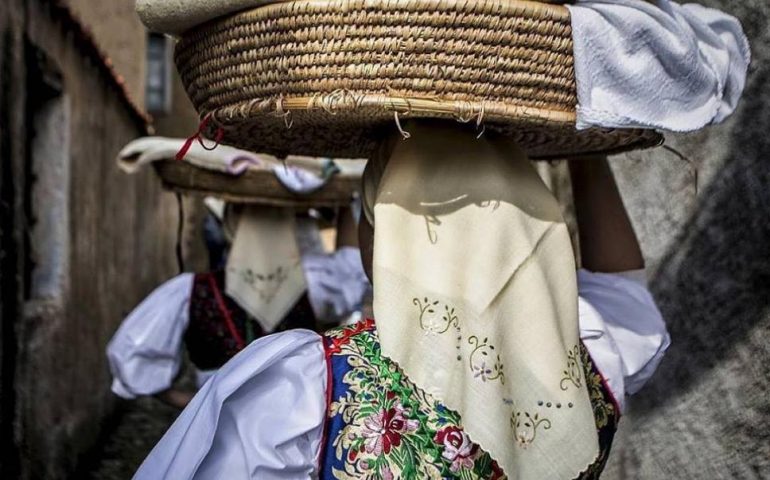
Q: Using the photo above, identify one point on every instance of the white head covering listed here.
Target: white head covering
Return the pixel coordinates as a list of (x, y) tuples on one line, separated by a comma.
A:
[(475, 296), (264, 273)]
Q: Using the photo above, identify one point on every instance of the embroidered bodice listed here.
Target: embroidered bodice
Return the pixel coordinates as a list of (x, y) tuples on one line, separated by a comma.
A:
[(382, 426)]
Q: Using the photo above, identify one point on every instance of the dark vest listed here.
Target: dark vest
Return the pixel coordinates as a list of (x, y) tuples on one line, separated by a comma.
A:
[(219, 328), (380, 425)]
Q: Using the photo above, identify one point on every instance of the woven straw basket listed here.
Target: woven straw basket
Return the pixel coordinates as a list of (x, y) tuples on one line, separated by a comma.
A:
[(255, 186), (328, 77)]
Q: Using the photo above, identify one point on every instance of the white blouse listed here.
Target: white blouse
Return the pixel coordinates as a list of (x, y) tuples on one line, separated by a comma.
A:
[(146, 352), (262, 415)]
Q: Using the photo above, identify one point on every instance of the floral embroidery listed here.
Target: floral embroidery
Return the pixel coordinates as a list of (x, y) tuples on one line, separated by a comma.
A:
[(479, 361), (572, 373), (383, 430), (458, 448), (265, 284), (526, 427), (606, 415), (384, 427), (428, 307), (432, 324), (604, 409)]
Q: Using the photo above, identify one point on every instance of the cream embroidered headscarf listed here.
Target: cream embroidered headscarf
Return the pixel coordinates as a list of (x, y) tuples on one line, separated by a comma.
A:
[(475, 295), (264, 274)]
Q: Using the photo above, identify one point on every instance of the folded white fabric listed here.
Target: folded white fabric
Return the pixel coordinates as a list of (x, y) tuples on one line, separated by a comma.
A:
[(300, 175), (303, 182), (269, 400), (143, 151), (622, 328), (656, 65), (336, 283), (145, 354)]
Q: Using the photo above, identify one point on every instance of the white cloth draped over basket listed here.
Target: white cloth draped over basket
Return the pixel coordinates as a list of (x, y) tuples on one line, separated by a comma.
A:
[(234, 428), (659, 64), (300, 175)]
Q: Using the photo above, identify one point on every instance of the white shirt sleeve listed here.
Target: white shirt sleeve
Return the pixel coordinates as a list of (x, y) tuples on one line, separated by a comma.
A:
[(622, 328), (146, 352), (261, 416), (336, 283)]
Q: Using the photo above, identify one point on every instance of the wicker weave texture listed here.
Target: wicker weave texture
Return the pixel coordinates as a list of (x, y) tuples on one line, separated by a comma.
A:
[(325, 77)]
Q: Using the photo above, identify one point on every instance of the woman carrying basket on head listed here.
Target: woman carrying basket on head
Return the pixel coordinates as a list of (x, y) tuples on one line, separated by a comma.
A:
[(492, 355)]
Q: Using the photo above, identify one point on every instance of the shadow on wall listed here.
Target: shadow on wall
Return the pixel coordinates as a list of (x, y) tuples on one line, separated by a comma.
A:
[(709, 403)]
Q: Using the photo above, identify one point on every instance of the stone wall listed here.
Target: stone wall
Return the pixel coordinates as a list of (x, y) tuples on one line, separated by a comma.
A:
[(89, 241), (706, 413)]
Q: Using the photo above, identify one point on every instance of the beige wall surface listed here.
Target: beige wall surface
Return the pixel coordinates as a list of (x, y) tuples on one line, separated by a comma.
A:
[(120, 35)]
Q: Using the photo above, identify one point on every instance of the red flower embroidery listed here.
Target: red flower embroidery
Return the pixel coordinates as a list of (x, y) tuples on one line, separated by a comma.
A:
[(458, 448), (383, 430), (497, 472)]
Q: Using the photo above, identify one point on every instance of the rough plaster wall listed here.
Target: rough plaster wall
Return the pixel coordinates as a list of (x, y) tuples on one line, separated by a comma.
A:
[(121, 243), (120, 35), (706, 413), (12, 94)]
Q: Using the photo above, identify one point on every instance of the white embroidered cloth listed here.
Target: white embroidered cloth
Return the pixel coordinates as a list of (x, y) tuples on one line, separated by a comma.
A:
[(264, 271), (656, 64), (475, 296)]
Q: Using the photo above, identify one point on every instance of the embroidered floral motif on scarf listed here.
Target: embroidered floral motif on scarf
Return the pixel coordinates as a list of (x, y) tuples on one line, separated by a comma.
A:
[(381, 426)]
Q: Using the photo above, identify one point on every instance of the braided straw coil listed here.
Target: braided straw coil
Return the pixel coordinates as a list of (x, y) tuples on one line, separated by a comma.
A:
[(327, 77)]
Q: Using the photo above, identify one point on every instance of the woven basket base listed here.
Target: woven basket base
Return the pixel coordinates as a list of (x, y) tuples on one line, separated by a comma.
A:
[(351, 135), (253, 186), (325, 77)]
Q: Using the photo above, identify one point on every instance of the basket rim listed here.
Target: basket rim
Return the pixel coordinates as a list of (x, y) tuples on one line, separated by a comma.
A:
[(258, 186)]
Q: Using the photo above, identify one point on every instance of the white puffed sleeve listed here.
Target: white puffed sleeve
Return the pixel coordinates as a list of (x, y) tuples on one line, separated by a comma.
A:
[(622, 328), (146, 352), (261, 416), (336, 283)]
